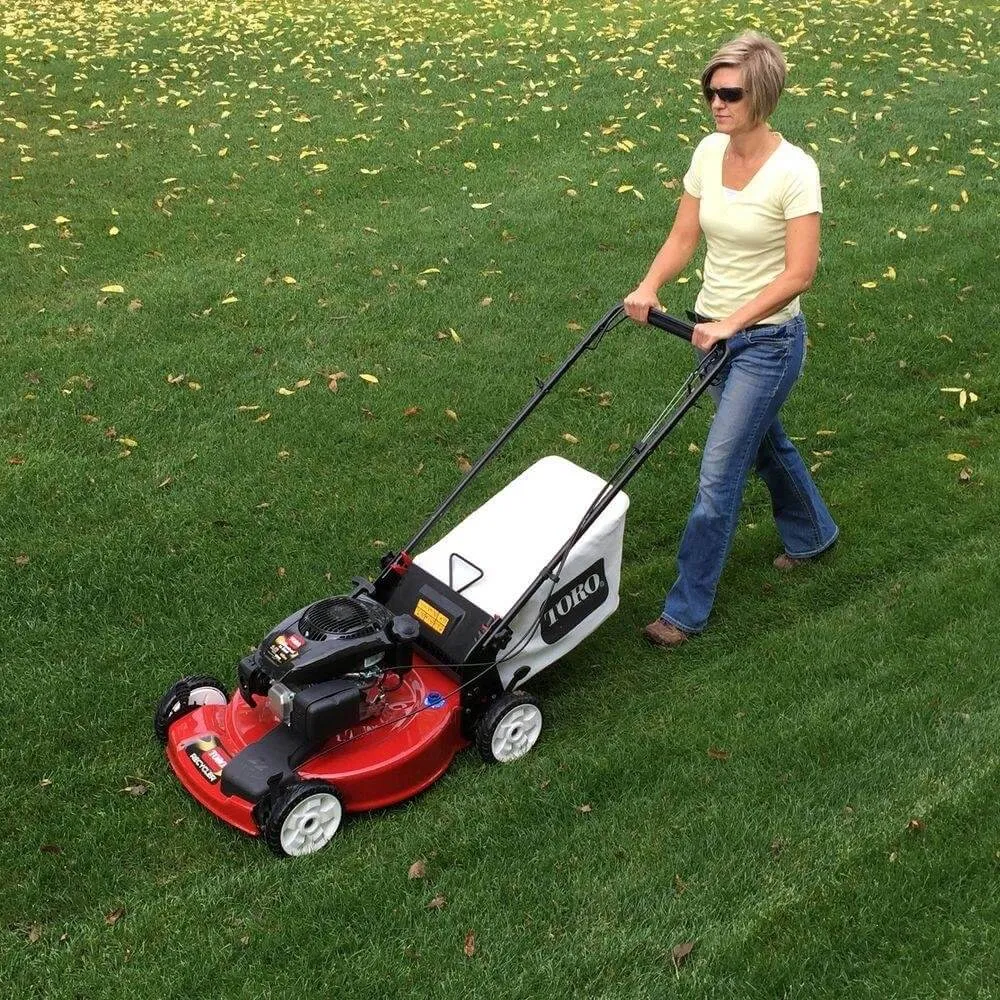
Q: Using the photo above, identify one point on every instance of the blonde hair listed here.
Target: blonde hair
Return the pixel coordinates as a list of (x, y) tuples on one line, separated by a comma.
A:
[(763, 68)]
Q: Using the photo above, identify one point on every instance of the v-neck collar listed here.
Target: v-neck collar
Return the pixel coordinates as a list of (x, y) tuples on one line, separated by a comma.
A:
[(757, 172)]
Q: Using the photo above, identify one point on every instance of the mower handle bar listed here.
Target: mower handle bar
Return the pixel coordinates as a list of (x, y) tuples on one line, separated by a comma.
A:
[(678, 327)]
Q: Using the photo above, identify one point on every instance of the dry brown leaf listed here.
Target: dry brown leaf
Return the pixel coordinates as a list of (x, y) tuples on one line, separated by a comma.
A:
[(585, 808), (418, 869), (470, 945), (411, 411), (22, 559), (680, 952), (463, 463), (114, 916), (34, 933), (437, 903), (717, 753)]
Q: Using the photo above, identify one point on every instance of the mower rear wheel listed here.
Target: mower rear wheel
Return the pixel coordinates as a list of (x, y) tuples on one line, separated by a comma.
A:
[(509, 728), (304, 817), (185, 696)]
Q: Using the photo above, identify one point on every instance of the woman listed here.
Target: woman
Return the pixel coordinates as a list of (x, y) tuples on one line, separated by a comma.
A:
[(756, 198)]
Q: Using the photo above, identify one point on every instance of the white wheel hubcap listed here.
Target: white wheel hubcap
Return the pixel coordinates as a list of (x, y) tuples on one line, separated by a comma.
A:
[(205, 695), (311, 824), (516, 732)]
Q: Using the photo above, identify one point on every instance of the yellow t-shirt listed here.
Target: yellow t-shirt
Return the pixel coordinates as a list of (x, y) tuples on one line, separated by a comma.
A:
[(745, 230)]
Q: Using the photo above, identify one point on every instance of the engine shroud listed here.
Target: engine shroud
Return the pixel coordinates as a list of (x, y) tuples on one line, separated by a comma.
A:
[(327, 639)]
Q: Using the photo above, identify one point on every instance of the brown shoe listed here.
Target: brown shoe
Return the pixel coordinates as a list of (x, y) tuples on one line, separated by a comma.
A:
[(662, 633), (787, 563)]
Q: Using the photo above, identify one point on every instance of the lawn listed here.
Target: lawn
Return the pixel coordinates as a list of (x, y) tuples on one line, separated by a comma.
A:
[(275, 273)]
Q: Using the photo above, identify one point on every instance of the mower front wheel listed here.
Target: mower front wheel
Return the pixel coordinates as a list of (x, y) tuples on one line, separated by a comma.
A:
[(185, 696), (509, 728), (303, 818)]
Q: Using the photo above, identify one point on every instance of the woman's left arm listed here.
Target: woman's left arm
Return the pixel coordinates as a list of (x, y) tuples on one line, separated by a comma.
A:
[(801, 260)]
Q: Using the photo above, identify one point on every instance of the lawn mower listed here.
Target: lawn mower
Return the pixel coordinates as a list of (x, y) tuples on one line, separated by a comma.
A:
[(361, 700)]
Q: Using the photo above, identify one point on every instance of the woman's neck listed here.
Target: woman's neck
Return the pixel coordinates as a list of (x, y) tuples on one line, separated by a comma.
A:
[(754, 143)]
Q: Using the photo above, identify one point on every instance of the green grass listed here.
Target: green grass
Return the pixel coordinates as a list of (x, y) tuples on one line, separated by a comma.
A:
[(848, 846)]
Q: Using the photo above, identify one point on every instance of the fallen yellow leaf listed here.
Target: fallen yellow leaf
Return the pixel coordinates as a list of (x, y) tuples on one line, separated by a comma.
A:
[(371, 379), (113, 289)]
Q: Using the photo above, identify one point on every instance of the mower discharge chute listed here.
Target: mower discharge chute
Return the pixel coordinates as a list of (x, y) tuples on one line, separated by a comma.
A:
[(360, 701)]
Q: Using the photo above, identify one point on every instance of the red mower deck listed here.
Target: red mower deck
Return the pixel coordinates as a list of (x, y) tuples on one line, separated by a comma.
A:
[(378, 763)]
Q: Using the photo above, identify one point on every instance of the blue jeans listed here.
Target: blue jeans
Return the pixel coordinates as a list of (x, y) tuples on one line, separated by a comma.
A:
[(765, 364)]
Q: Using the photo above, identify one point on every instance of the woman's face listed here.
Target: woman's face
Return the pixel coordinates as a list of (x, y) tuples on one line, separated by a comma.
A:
[(732, 117)]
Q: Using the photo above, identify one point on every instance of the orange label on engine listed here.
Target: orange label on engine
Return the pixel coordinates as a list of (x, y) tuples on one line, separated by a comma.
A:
[(430, 616)]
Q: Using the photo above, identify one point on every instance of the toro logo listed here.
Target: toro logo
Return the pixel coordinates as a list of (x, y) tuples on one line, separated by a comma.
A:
[(208, 756), (568, 606)]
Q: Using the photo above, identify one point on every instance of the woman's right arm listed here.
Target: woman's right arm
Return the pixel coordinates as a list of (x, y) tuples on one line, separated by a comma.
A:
[(673, 257)]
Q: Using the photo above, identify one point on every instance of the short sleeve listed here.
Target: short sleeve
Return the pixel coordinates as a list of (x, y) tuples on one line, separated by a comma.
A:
[(802, 195), (692, 179)]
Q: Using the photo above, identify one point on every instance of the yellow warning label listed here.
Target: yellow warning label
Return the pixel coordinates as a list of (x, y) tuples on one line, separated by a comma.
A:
[(430, 616)]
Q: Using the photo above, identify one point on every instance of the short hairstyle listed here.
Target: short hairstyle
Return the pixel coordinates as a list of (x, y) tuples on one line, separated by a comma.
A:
[(763, 67)]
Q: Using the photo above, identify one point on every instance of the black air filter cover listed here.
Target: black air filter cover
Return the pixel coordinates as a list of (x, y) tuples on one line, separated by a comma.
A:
[(326, 639), (341, 617)]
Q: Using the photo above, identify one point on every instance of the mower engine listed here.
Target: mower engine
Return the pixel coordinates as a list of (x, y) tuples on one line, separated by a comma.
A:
[(324, 668)]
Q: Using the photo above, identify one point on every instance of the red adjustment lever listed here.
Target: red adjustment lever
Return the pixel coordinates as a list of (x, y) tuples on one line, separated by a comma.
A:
[(402, 564)]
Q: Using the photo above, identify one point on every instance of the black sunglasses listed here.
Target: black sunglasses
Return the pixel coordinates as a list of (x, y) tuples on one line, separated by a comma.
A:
[(728, 94)]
